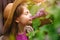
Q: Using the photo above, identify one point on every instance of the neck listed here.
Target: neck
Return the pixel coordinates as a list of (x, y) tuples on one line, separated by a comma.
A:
[(21, 28)]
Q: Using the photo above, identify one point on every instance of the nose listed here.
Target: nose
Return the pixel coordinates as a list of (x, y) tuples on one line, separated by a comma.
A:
[(30, 15)]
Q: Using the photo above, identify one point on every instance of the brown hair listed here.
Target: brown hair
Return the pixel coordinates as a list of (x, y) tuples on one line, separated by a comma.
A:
[(13, 27)]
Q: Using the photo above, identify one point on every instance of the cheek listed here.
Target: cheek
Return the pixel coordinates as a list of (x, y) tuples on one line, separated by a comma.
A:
[(24, 19)]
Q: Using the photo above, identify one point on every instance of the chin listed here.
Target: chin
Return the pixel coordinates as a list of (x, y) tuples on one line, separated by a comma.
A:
[(29, 23)]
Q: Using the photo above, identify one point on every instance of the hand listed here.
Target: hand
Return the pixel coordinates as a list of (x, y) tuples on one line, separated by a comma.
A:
[(29, 29)]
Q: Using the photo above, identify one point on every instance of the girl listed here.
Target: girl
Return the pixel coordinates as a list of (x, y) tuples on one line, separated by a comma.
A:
[(16, 18), (16, 21)]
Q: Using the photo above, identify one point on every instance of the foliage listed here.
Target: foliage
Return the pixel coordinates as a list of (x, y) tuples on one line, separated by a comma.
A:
[(53, 11)]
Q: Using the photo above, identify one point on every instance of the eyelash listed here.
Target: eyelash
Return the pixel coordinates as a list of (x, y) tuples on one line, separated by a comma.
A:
[(27, 13)]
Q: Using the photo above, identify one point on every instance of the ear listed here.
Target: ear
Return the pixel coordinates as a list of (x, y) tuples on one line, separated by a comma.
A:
[(17, 20)]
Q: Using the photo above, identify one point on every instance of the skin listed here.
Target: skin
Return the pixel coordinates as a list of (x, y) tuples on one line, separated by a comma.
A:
[(23, 20)]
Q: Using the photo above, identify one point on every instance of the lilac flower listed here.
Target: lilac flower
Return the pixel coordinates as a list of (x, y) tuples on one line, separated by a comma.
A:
[(40, 13)]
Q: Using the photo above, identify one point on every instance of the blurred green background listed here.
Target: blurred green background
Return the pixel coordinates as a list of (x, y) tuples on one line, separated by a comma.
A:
[(49, 31)]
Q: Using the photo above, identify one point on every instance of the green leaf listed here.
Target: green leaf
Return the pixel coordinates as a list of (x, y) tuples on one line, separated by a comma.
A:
[(34, 9), (36, 23)]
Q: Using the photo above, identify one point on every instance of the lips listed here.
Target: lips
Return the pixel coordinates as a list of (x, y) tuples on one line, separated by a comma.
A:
[(30, 19)]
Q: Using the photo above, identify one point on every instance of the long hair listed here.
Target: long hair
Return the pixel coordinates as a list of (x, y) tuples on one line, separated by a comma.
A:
[(14, 25)]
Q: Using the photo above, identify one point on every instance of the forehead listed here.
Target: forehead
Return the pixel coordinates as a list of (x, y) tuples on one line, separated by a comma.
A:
[(25, 9)]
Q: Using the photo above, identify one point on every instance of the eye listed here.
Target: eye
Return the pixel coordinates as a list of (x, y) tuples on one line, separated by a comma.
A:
[(26, 13)]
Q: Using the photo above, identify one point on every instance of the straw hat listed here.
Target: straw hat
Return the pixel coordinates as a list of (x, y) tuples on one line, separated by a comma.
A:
[(9, 12)]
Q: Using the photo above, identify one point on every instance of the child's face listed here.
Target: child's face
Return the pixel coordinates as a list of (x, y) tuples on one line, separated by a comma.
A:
[(25, 17)]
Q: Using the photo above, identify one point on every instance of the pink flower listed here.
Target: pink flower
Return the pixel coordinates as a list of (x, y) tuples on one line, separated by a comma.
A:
[(40, 13)]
